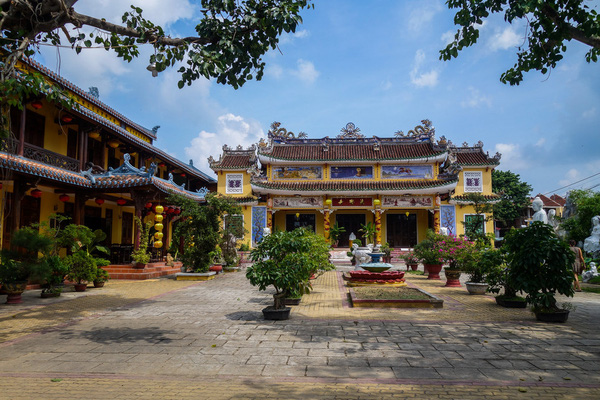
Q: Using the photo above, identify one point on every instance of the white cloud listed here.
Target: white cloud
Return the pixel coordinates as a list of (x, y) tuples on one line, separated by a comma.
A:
[(232, 130), (512, 156), (422, 79), (306, 71), (589, 113), (571, 176), (386, 85), (274, 70), (540, 142), (475, 99), (286, 38), (448, 37), (506, 39), (420, 18)]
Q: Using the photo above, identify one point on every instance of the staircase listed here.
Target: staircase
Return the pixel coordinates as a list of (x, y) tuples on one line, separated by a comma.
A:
[(152, 270)]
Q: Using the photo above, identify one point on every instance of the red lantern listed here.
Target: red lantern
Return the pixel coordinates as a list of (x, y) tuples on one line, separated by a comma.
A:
[(37, 104), (37, 193), (66, 118), (177, 211), (183, 174), (121, 202), (99, 201), (148, 205), (162, 164), (169, 209), (64, 198)]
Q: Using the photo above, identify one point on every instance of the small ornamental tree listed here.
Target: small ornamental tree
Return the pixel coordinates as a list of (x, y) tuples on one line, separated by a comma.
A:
[(200, 227), (540, 265), (286, 260)]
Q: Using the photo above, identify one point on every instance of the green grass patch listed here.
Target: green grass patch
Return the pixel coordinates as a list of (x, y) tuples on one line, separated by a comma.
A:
[(378, 293), (595, 280), (415, 272), (591, 289)]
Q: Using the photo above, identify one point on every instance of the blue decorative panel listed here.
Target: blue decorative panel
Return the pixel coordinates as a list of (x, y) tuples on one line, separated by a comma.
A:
[(448, 218), (308, 172), (259, 223), (406, 171), (361, 172)]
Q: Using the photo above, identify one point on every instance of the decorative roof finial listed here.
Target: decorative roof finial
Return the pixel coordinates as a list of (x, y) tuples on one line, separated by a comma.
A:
[(350, 131)]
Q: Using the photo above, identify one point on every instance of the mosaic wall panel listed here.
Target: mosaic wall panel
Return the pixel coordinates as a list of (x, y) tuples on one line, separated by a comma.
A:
[(406, 171), (360, 172), (295, 202), (259, 223), (307, 172), (407, 201), (448, 218)]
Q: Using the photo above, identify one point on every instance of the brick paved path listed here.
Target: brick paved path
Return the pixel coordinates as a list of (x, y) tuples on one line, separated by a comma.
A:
[(208, 340)]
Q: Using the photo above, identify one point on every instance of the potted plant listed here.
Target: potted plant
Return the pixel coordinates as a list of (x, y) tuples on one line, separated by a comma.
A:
[(82, 269), (141, 256), (101, 277), (334, 234), (368, 232), (498, 279), (286, 260), (22, 261), (541, 265), (53, 270), (411, 260), (244, 253), (428, 252), (216, 257), (387, 252), (459, 253)]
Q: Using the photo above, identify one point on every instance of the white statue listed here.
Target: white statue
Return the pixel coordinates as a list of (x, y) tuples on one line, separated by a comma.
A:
[(443, 231), (361, 255), (553, 219), (540, 215), (266, 231), (592, 273), (592, 243)]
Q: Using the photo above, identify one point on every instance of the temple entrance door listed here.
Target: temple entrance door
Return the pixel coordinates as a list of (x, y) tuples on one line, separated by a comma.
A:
[(301, 221), (402, 230), (352, 223)]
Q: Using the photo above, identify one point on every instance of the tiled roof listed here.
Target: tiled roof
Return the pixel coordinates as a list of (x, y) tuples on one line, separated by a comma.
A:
[(557, 201), (107, 183), (234, 162), (353, 185), (475, 159), (352, 151), (489, 198)]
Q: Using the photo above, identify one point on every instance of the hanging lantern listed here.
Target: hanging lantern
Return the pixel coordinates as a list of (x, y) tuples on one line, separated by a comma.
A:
[(148, 205), (377, 202), (158, 235), (94, 134), (121, 202), (37, 104), (183, 174), (407, 214), (159, 227), (113, 143), (158, 218), (158, 244), (328, 202), (177, 211), (64, 198), (99, 201), (36, 193), (159, 209), (297, 215), (0, 185), (66, 118), (168, 210), (162, 164)]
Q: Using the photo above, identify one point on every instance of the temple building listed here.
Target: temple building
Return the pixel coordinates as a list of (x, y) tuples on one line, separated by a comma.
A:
[(403, 185), (89, 163)]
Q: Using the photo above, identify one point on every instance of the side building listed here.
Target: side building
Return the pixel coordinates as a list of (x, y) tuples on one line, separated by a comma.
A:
[(403, 185), (89, 163)]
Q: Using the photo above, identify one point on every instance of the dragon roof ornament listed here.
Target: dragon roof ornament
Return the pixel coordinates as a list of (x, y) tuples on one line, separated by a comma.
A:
[(350, 131), (125, 169)]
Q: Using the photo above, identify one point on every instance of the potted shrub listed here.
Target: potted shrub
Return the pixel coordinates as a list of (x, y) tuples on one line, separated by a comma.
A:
[(53, 270), (244, 253), (141, 256), (368, 232), (216, 257), (101, 277), (387, 252), (429, 253), (541, 265), (82, 269), (498, 279), (334, 234), (411, 260), (286, 260)]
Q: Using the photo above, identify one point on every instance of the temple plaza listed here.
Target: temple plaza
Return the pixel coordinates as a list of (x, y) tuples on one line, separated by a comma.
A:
[(168, 339)]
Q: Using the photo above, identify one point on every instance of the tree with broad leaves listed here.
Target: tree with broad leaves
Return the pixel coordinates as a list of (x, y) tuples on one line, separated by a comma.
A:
[(550, 24), (514, 196), (228, 44)]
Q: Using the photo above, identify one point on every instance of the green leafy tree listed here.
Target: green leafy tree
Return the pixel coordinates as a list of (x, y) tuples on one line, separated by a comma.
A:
[(475, 224), (200, 227), (514, 196), (587, 205), (550, 24)]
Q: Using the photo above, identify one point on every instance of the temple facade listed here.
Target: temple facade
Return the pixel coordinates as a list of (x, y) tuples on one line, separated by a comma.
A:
[(89, 163), (403, 185)]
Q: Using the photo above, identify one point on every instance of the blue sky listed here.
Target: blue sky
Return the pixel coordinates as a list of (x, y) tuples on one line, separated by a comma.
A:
[(374, 63)]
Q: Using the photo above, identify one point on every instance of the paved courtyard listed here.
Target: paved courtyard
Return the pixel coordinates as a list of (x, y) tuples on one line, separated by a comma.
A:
[(167, 339)]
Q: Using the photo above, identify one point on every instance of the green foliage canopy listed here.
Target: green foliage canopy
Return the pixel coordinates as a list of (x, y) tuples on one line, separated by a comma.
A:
[(550, 24), (587, 205), (514, 195)]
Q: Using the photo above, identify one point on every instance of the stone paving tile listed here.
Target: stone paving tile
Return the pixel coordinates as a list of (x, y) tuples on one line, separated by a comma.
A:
[(316, 361), (470, 374), (416, 373)]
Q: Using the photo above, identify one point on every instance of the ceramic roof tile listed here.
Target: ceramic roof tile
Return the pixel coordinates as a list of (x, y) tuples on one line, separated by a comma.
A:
[(488, 198), (353, 185), (352, 151), (475, 158)]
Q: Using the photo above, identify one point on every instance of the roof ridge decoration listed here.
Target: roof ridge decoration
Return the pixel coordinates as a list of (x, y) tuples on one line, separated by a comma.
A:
[(276, 131), (350, 131), (420, 131), (125, 169), (250, 152)]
